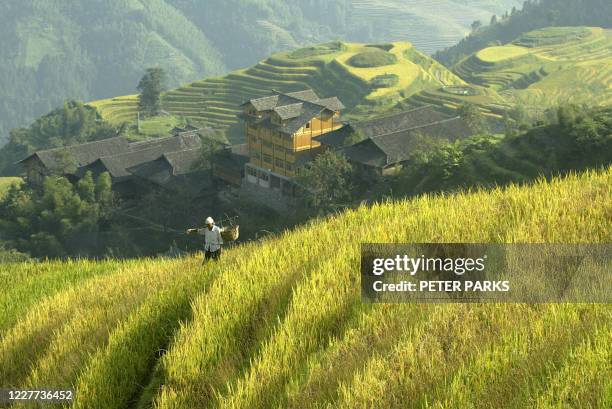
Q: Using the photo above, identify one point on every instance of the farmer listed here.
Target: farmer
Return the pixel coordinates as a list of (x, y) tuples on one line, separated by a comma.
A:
[(212, 239)]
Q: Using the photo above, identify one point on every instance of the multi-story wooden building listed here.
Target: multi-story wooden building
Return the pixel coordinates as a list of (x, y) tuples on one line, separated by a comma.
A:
[(281, 130)]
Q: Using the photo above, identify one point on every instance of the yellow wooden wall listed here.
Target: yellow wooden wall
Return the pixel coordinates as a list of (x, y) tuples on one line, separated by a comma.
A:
[(270, 149)]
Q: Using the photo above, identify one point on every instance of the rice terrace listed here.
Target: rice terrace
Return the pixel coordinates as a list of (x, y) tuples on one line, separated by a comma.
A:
[(272, 326)]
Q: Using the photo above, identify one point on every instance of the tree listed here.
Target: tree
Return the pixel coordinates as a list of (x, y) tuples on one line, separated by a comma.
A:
[(474, 118), (326, 182), (87, 188), (493, 20), (71, 124), (151, 86), (58, 220), (476, 25)]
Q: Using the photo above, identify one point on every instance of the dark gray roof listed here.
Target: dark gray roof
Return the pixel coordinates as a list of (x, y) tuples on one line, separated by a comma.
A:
[(117, 165), (141, 152), (332, 103), (183, 162), (289, 111), (307, 112), (337, 138), (278, 98), (367, 153), (296, 108), (158, 171), (81, 154), (392, 148), (399, 122), (169, 143), (234, 158), (165, 169)]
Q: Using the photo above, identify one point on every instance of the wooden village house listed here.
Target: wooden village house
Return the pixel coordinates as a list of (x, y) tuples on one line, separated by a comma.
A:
[(281, 131), (133, 166)]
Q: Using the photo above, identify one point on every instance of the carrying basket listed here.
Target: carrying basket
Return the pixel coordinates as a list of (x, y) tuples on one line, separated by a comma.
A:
[(230, 233)]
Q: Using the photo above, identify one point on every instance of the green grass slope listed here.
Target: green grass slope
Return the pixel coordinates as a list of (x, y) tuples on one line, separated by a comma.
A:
[(280, 323), (546, 67), (326, 68)]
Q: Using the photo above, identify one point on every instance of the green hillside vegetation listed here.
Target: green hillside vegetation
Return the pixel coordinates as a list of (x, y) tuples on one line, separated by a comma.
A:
[(281, 324), (547, 67), (326, 68), (89, 50), (70, 124), (6, 183), (535, 14), (577, 140)]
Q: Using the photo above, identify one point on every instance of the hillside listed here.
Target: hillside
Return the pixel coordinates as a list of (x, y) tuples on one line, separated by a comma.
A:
[(85, 49), (389, 73), (546, 67), (535, 14), (280, 323)]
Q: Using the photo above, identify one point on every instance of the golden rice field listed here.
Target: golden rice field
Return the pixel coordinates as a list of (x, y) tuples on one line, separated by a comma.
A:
[(280, 323), (496, 54)]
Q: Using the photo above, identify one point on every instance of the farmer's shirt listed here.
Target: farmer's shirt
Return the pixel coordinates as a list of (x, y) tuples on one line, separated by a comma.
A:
[(212, 238)]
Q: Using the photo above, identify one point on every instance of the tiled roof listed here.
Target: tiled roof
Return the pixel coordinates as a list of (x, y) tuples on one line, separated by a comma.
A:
[(289, 111), (80, 155), (332, 103), (396, 147), (297, 108), (278, 99), (184, 161), (401, 121), (337, 138), (367, 153), (141, 152)]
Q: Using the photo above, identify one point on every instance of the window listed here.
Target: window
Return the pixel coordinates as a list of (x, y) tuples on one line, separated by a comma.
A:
[(267, 158), (279, 163), (251, 171), (308, 125), (264, 176), (256, 155), (289, 166), (267, 144)]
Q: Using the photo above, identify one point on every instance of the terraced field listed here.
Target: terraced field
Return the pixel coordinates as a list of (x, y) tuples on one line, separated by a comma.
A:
[(118, 109), (547, 67), (280, 323), (540, 69), (215, 102)]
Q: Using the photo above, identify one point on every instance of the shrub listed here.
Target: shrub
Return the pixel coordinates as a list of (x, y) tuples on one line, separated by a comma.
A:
[(384, 47), (374, 58), (327, 48)]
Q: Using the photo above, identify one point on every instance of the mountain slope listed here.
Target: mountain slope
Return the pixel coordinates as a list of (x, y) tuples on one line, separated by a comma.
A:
[(52, 51), (547, 67), (281, 324), (87, 49), (327, 68), (535, 14)]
